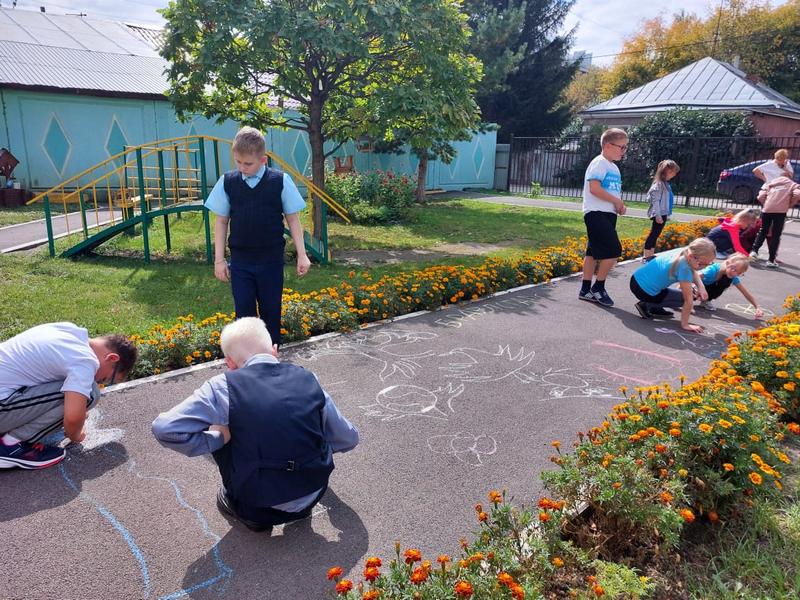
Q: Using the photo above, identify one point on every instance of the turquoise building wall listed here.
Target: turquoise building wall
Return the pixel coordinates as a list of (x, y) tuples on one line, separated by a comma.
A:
[(56, 136)]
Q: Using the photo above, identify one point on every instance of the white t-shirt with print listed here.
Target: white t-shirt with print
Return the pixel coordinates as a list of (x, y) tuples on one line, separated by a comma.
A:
[(45, 353), (607, 173), (771, 170)]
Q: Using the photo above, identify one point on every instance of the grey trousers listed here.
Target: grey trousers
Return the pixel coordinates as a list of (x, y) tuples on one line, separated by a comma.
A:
[(32, 413)]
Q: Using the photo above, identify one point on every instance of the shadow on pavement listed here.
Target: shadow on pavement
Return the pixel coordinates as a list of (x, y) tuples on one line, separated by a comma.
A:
[(28, 492), (291, 565)]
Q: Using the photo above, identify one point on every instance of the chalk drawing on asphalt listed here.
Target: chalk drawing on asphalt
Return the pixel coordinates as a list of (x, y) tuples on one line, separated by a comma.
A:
[(457, 317), (564, 383), (97, 436), (627, 365), (748, 310), (399, 401), (708, 346), (394, 352), (465, 446), (474, 365)]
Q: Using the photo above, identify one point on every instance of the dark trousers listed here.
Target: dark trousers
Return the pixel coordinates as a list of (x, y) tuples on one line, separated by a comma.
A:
[(720, 285), (775, 221), (655, 231), (258, 514), (666, 298), (257, 292)]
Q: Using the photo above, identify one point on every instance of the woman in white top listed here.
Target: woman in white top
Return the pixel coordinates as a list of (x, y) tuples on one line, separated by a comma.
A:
[(778, 167)]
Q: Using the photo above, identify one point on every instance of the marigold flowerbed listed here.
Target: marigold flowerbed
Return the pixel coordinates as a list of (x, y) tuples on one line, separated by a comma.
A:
[(362, 300), (663, 459)]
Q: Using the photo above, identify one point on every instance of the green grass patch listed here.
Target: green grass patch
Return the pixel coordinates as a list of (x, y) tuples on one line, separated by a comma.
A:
[(23, 214), (117, 291)]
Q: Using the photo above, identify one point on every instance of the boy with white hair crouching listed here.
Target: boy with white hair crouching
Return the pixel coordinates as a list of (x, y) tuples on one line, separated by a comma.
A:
[(270, 427)]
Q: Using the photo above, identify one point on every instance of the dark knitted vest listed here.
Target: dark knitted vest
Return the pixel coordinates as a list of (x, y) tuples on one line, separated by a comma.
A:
[(278, 450), (256, 218)]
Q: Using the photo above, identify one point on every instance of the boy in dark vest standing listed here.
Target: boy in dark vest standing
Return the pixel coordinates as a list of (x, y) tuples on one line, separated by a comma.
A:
[(271, 428), (253, 200)]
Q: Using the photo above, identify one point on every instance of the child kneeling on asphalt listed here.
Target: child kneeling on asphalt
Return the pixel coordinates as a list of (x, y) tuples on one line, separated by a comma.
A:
[(650, 282), (720, 276), (270, 427)]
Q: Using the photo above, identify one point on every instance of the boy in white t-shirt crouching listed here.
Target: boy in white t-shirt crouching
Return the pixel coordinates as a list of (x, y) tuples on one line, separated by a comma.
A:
[(48, 378), (602, 190)]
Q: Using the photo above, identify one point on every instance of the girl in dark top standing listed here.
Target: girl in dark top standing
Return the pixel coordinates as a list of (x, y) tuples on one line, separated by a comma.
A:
[(661, 199)]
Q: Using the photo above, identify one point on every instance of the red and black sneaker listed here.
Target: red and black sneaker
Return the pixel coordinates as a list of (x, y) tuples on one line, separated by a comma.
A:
[(30, 456)]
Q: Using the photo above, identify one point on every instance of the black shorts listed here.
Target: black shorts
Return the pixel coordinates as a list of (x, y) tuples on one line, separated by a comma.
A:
[(601, 229)]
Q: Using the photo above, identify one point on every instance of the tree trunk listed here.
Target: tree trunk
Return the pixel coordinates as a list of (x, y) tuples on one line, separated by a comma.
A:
[(317, 143), (422, 172)]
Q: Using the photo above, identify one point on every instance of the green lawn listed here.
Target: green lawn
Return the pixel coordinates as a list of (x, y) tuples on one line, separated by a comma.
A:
[(117, 291), (692, 210), (23, 214)]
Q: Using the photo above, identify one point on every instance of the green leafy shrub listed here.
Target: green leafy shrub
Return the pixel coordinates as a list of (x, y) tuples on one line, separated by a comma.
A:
[(373, 197)]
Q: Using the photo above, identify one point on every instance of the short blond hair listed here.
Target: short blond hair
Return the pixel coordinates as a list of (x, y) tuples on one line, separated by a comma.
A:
[(782, 153), (612, 135), (249, 140), (747, 214), (244, 338), (701, 247)]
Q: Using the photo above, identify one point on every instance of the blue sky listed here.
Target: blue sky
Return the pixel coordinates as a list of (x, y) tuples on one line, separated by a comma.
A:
[(602, 26)]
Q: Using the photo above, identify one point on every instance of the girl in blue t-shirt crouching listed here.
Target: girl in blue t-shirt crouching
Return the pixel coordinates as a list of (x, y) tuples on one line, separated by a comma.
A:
[(650, 282), (720, 276)]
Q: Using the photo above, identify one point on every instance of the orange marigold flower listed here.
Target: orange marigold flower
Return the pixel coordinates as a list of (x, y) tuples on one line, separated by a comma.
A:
[(661, 448), (495, 497), (544, 517), (789, 386), (674, 432), (794, 427), (517, 593), (713, 516), (705, 427), (373, 561), (412, 555), (687, 515), (463, 589), (344, 586), (419, 576), (557, 562), (728, 466), (665, 497), (505, 578), (616, 485), (371, 595), (334, 573), (756, 386), (598, 590), (443, 559), (483, 517), (755, 478)]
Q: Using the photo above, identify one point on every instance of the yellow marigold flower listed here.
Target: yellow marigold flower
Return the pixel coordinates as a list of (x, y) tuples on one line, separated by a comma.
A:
[(683, 472), (789, 386), (782, 374), (724, 423), (705, 428)]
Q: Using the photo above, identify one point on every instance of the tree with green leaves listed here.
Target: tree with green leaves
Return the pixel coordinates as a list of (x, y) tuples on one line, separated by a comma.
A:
[(244, 59), (528, 101)]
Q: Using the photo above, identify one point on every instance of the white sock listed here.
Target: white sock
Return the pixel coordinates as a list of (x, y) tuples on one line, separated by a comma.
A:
[(9, 440)]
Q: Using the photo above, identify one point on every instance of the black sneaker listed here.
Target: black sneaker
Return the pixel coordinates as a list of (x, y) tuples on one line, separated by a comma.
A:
[(30, 456), (644, 312), (658, 311), (588, 296), (224, 506), (602, 297)]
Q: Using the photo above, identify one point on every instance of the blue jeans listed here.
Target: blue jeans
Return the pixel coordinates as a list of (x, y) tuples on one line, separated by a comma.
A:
[(257, 291)]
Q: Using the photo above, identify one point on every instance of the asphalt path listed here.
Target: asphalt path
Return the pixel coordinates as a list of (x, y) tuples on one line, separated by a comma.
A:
[(449, 404), (34, 233)]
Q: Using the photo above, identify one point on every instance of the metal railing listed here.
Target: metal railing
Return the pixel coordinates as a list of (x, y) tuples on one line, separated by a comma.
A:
[(159, 176), (555, 166)]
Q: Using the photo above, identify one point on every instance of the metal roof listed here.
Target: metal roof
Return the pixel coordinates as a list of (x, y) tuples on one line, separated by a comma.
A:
[(707, 83)]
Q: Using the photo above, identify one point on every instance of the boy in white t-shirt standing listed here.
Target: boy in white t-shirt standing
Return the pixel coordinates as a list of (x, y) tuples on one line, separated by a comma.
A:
[(48, 378), (602, 203)]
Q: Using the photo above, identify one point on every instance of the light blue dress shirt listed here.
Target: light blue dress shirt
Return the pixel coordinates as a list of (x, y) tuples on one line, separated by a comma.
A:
[(291, 199), (184, 428)]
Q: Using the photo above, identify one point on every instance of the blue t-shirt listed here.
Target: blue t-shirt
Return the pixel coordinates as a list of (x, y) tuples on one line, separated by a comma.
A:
[(709, 274), (219, 203), (655, 275), (671, 197), (607, 173)]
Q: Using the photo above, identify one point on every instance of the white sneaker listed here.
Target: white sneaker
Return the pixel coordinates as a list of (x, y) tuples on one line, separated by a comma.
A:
[(771, 264), (754, 254), (708, 305)]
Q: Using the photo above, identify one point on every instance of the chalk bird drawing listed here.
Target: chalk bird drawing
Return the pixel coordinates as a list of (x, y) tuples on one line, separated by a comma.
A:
[(395, 352), (465, 446), (482, 366), (398, 401)]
